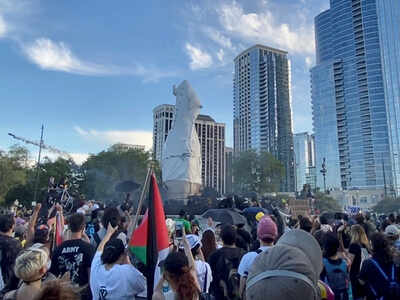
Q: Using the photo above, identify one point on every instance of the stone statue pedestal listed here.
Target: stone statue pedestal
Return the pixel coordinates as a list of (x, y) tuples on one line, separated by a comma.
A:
[(181, 190)]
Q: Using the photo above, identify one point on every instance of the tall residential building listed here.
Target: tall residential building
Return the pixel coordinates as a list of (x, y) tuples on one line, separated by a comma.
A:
[(262, 114), (212, 142), (228, 170), (355, 94), (304, 159)]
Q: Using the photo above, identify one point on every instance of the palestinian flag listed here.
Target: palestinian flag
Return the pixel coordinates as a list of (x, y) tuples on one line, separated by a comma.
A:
[(150, 242)]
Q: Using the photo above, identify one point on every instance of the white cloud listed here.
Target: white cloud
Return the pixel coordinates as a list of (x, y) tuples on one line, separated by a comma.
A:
[(218, 37), (57, 56), (3, 27), (220, 55), (199, 59), (50, 55), (263, 28), (110, 137), (309, 61)]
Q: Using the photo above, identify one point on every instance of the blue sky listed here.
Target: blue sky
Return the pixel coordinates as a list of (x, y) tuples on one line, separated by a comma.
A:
[(92, 71)]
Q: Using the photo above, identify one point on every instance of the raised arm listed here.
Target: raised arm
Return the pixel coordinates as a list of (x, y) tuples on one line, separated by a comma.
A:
[(32, 223), (109, 233)]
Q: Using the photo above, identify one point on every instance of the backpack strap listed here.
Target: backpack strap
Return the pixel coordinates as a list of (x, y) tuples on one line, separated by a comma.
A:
[(96, 238), (280, 273), (380, 269), (258, 251), (205, 281)]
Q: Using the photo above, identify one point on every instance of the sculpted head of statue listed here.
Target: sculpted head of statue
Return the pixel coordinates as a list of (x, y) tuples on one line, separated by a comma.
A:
[(187, 101)]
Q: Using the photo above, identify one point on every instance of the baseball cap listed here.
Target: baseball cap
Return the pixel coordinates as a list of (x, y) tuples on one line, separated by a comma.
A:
[(266, 229), (392, 230), (193, 240)]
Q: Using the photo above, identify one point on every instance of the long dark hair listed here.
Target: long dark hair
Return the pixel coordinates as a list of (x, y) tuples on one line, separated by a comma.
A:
[(381, 248), (209, 243)]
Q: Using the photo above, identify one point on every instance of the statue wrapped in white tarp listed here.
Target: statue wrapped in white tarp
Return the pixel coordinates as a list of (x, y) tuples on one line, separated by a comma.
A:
[(181, 159)]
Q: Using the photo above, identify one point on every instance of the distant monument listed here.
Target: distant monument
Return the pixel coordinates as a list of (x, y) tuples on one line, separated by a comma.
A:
[(181, 158)]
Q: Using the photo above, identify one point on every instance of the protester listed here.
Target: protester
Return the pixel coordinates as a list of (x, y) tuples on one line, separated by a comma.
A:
[(57, 290), (180, 273), (185, 222), (305, 224), (203, 269), (9, 249), (288, 271), (209, 243), (379, 274), (266, 233), (393, 235), (224, 263), (30, 267), (359, 250), (111, 216), (335, 272), (112, 275), (75, 256)]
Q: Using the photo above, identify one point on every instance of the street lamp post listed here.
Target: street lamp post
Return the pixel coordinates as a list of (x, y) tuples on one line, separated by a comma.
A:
[(324, 171)]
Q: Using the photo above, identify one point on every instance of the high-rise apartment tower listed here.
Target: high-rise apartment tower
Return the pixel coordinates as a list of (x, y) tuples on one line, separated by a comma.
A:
[(356, 94), (262, 115)]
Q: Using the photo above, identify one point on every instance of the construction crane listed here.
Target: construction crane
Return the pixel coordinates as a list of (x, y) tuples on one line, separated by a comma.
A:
[(48, 148)]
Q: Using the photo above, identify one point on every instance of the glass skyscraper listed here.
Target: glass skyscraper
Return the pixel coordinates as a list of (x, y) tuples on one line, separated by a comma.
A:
[(355, 94), (262, 106)]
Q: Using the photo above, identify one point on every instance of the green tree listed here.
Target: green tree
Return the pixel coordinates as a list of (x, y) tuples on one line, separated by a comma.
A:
[(260, 173), (13, 169), (324, 202), (103, 171), (387, 205), (22, 192)]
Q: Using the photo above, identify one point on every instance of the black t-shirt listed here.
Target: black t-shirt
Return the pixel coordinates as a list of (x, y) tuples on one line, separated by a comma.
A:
[(234, 255), (9, 250), (371, 275), (74, 256), (357, 288)]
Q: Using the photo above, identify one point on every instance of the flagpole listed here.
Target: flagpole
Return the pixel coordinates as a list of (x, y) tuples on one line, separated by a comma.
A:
[(140, 204)]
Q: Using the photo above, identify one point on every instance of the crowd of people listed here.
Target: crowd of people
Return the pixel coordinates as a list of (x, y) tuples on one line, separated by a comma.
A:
[(343, 257)]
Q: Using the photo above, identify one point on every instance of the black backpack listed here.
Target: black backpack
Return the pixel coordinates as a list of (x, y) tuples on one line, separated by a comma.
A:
[(230, 279), (393, 292)]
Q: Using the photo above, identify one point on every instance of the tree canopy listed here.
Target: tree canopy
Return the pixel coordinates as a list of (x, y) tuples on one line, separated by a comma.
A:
[(96, 178), (257, 172), (387, 205)]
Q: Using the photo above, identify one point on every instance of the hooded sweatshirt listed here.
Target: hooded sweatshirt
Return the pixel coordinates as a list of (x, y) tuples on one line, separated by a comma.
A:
[(296, 251)]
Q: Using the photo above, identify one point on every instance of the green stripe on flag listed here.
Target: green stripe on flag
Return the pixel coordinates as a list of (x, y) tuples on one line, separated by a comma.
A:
[(139, 252)]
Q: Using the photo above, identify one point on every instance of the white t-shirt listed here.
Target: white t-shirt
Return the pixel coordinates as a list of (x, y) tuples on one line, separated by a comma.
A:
[(120, 282), (201, 268), (247, 261), (82, 210)]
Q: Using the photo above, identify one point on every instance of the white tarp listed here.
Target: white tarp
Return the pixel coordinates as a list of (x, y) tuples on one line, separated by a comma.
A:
[(181, 159)]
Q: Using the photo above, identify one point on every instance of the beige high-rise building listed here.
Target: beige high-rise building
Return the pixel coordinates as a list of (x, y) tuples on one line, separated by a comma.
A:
[(212, 142)]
